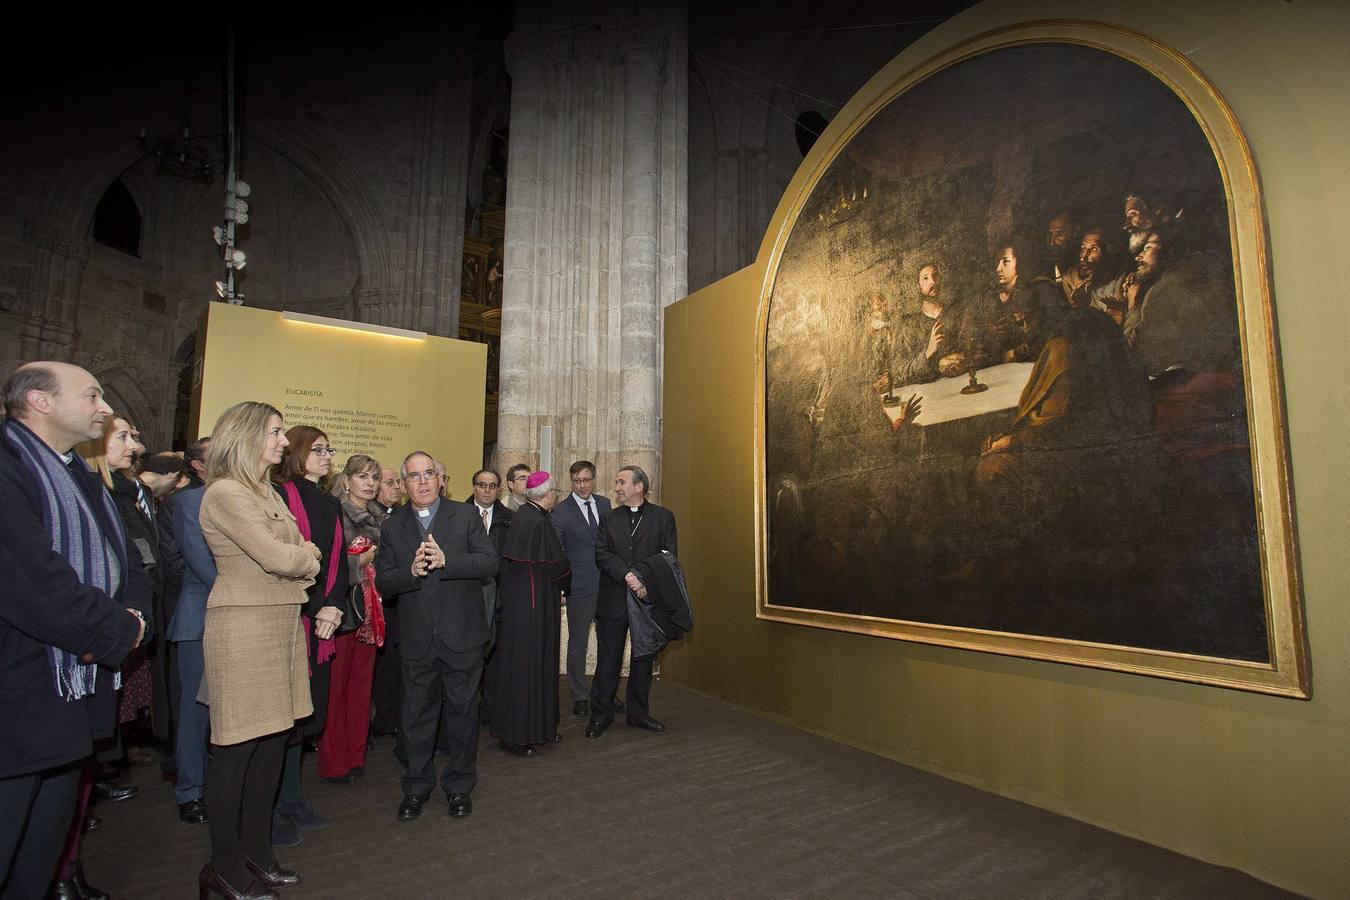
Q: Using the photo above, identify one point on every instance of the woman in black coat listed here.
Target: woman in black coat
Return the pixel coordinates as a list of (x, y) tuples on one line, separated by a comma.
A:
[(306, 464)]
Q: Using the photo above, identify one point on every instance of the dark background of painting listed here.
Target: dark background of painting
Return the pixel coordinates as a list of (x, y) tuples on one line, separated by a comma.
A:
[(870, 522)]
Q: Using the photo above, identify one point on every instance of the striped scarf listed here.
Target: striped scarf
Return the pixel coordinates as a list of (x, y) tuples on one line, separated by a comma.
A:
[(76, 535)]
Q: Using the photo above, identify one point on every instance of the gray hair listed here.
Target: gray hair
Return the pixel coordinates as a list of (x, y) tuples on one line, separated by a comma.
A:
[(639, 476), (32, 377), (403, 469), (542, 489)]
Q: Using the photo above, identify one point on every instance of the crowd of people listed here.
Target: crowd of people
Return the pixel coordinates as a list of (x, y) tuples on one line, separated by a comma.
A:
[(245, 602)]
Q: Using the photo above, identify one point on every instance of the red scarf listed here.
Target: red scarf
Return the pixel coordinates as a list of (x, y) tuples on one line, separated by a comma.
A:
[(372, 629)]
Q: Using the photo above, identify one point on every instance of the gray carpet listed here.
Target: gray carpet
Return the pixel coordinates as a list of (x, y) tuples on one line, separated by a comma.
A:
[(725, 804)]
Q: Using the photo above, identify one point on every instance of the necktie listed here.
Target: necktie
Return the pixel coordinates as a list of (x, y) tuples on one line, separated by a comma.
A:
[(144, 504), (483, 513), (590, 516)]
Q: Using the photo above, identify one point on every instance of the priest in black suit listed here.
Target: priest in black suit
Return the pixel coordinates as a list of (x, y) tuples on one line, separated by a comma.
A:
[(632, 531), (433, 556)]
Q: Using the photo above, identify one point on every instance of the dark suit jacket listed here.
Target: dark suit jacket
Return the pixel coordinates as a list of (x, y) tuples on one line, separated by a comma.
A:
[(501, 520), (447, 603), (199, 571), (43, 601), (616, 552), (578, 542)]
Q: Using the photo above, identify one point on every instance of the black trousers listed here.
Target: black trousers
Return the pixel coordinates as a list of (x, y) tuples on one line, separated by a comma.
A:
[(387, 689), (241, 785), (609, 638), (35, 816), (442, 687)]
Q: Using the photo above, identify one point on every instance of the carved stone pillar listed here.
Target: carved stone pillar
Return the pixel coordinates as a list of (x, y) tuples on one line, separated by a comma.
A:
[(595, 240), (640, 309)]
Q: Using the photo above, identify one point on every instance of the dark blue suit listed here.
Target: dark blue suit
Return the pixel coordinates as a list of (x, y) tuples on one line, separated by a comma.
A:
[(185, 631), (578, 540)]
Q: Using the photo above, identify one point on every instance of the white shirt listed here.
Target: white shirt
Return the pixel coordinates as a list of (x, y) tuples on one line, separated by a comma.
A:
[(487, 519)]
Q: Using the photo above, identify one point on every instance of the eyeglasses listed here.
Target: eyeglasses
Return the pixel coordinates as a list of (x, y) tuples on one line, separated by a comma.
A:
[(428, 475), (324, 451), (485, 485), (580, 480)]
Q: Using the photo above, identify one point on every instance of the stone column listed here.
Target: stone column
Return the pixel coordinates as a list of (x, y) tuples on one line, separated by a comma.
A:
[(595, 223), (640, 309)]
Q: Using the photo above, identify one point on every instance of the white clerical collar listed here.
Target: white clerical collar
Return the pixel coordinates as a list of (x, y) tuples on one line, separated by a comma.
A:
[(635, 508), (424, 513)]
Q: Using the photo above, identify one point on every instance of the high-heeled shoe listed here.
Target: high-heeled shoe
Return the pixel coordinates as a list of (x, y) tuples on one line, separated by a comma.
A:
[(275, 876), (210, 883)]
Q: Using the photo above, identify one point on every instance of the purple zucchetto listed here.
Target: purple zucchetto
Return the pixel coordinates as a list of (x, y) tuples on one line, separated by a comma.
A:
[(536, 479)]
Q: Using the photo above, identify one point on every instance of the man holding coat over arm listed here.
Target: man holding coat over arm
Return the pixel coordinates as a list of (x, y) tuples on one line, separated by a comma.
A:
[(634, 530)]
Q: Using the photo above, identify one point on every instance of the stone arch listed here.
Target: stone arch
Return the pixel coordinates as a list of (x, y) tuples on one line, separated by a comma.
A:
[(340, 185), (123, 393)]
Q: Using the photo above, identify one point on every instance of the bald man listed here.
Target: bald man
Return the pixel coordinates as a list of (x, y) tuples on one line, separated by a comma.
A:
[(69, 612)]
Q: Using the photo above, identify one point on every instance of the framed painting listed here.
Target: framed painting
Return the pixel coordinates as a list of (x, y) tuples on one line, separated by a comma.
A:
[(1019, 379)]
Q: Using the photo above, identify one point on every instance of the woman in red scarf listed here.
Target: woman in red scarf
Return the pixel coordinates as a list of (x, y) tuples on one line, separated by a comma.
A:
[(342, 749)]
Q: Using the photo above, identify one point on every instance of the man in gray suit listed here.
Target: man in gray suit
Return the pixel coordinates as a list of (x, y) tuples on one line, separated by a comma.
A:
[(577, 519), (185, 633), (433, 557)]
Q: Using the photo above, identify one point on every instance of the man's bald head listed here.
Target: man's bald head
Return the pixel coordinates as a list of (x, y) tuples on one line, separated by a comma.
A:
[(61, 403)]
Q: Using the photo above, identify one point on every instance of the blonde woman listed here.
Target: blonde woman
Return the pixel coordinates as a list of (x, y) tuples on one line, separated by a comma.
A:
[(342, 748), (257, 680)]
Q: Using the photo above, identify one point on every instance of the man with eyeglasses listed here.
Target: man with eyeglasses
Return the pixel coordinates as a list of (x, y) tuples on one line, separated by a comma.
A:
[(577, 521), (433, 557), (390, 494), (515, 485), (496, 518), (387, 687)]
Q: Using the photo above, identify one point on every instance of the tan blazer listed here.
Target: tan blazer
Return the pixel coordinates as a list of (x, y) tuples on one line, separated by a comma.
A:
[(256, 674)]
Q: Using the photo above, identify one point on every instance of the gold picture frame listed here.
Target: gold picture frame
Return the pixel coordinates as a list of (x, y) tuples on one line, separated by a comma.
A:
[(822, 280)]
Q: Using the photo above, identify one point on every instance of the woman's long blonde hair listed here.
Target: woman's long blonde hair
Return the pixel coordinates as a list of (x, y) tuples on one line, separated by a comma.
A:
[(95, 452), (237, 444)]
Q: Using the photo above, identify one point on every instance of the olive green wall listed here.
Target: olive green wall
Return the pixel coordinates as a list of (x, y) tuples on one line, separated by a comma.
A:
[(1255, 782)]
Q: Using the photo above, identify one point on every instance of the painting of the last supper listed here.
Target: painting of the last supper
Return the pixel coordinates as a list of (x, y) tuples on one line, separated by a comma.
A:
[(1004, 385)]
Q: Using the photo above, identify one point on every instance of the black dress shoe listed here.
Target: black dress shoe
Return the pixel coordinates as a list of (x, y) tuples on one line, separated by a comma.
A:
[(65, 889), (460, 806), (192, 812), (411, 807), (581, 709), (517, 749), (107, 792), (275, 876), (91, 824), (596, 728), (210, 883), (349, 778), (83, 888), (647, 724)]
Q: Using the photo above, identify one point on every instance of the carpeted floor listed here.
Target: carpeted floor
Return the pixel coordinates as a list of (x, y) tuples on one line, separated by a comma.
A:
[(725, 804)]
